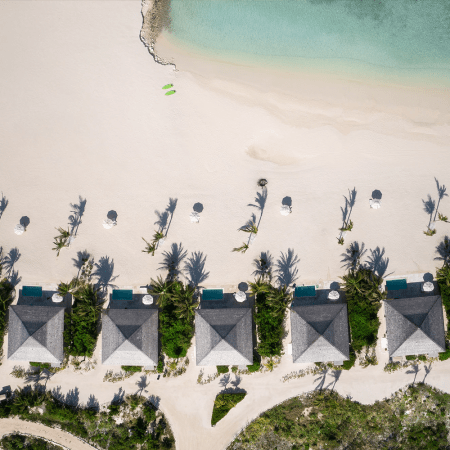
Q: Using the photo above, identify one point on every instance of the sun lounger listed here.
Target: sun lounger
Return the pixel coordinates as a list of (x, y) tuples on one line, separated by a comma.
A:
[(305, 291), (122, 294), (396, 285), (212, 294), (32, 291)]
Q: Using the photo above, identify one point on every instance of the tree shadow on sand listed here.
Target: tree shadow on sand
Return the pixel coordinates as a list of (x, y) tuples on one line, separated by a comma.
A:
[(377, 263), (443, 251), (346, 211), (353, 256), (194, 269), (77, 213), (286, 268), (165, 217), (104, 271), (264, 265), (3, 204), (172, 260)]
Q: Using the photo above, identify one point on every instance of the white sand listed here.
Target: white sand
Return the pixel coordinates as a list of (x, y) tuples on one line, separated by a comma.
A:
[(83, 113)]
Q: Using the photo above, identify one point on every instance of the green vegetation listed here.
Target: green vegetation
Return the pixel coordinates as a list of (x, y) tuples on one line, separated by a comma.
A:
[(242, 249), (361, 287), (62, 240), (270, 312), (82, 323), (250, 228), (223, 369), (222, 405), (176, 317), (412, 419), (152, 246), (132, 369), (6, 298), (47, 366), (19, 442), (143, 427), (443, 279)]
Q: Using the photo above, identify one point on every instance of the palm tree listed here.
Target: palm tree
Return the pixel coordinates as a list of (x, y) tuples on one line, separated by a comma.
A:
[(151, 247), (63, 233), (442, 218), (158, 236), (278, 299), (242, 249), (340, 240), (163, 288), (183, 299), (259, 286), (348, 226), (443, 275), (68, 288), (59, 245), (249, 228)]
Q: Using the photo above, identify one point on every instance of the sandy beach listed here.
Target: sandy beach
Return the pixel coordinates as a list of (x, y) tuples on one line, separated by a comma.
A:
[(83, 114)]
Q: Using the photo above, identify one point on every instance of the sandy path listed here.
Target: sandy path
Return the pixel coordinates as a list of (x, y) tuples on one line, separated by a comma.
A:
[(8, 426)]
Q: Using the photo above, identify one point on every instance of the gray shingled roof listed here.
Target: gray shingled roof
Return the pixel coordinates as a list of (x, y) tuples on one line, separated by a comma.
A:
[(223, 337), (319, 333), (415, 326), (130, 337), (35, 333)]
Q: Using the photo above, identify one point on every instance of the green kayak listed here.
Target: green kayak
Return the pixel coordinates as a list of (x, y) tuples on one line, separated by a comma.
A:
[(170, 93), (167, 86)]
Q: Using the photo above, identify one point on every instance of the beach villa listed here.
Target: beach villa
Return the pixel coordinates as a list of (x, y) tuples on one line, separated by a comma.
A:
[(415, 326), (130, 337), (224, 337), (320, 333)]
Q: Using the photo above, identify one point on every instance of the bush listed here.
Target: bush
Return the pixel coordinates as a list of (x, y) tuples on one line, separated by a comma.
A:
[(270, 312), (6, 298), (222, 405), (133, 369), (41, 365), (443, 278), (222, 369), (363, 301), (82, 323), (351, 362), (149, 412), (160, 366)]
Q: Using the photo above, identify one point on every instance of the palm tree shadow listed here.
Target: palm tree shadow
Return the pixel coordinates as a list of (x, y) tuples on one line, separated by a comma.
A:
[(80, 260), (429, 206), (443, 250), (442, 192), (377, 263), (353, 255), (336, 375), (10, 260), (264, 265), (286, 270), (415, 370), (104, 271), (194, 268), (163, 217), (172, 260), (77, 214), (3, 204), (348, 207), (260, 203), (427, 371), (321, 380)]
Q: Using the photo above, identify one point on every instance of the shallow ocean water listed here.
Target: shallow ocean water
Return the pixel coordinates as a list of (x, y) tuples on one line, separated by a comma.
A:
[(407, 37)]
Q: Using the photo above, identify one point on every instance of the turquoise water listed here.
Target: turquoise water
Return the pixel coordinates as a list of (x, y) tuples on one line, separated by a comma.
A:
[(410, 37)]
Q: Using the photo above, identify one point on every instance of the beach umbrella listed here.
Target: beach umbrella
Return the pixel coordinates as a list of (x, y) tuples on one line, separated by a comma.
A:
[(19, 229), (240, 296), (108, 223), (375, 204), (147, 299), (333, 295), (56, 298), (195, 217), (285, 210), (428, 287)]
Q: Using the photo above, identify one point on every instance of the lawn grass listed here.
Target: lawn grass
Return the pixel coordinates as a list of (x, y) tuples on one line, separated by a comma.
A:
[(223, 404)]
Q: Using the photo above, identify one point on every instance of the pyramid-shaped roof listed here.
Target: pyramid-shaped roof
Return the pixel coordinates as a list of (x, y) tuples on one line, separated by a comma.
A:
[(35, 333), (130, 337), (415, 326), (319, 333), (223, 336)]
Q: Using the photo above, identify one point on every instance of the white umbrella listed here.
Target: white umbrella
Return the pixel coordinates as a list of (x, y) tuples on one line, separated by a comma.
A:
[(285, 210), (56, 298), (19, 229), (375, 204), (195, 217), (428, 286), (333, 295), (240, 296), (108, 223), (147, 299)]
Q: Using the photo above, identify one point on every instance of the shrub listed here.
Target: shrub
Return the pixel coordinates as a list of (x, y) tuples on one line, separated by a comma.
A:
[(160, 366), (149, 412), (255, 367), (222, 369), (176, 317), (133, 369), (41, 365), (270, 312), (443, 279), (363, 301), (6, 298), (222, 405)]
